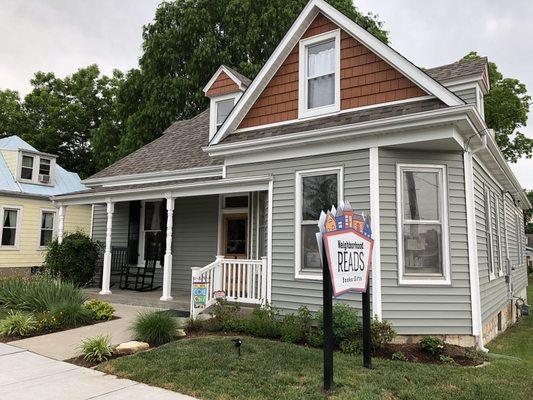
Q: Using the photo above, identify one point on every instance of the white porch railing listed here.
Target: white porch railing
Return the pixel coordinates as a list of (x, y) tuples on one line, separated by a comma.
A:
[(243, 281)]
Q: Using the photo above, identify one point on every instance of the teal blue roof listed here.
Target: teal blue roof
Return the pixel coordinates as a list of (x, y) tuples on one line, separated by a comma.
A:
[(64, 181)]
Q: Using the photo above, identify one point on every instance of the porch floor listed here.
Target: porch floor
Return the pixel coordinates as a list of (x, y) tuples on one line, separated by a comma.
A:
[(180, 302)]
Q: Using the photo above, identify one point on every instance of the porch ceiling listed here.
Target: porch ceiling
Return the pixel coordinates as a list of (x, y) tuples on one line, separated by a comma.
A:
[(157, 190)]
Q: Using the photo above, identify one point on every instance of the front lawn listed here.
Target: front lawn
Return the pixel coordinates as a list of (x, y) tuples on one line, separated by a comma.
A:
[(208, 368)]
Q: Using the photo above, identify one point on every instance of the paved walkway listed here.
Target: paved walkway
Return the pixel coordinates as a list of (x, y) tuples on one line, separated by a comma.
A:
[(28, 376), (62, 345)]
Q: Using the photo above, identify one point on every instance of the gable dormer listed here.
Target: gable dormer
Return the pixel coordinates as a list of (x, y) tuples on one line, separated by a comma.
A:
[(224, 90), (35, 167)]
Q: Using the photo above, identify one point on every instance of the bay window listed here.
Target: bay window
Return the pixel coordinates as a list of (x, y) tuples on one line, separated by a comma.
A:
[(319, 89), (422, 224), (316, 190)]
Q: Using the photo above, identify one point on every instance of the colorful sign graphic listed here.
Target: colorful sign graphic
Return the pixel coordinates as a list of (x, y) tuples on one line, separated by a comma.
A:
[(347, 241), (199, 294)]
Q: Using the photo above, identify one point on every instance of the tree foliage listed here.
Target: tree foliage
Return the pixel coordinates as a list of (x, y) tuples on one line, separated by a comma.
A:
[(506, 109), (528, 214)]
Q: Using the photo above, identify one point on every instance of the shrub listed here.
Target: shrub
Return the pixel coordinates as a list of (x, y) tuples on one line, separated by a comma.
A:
[(194, 325), (345, 322), (71, 314), (223, 313), (74, 259), (100, 310), (264, 323), (352, 346), (431, 344), (47, 322), (315, 337), (18, 323), (398, 356), (381, 334), (37, 295), (291, 329), (96, 349), (446, 359), (155, 328)]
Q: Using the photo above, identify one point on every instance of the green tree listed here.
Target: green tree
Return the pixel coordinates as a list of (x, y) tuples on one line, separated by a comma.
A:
[(185, 44), (63, 115), (12, 117), (528, 214), (506, 109)]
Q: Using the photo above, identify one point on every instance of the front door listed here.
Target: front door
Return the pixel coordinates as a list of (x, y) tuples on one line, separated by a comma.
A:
[(235, 243)]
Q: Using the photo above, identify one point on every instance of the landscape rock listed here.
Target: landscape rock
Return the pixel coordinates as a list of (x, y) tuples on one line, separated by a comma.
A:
[(131, 347), (181, 333)]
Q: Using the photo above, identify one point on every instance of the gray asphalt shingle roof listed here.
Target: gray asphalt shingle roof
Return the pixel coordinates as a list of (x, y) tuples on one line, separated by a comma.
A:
[(459, 69)]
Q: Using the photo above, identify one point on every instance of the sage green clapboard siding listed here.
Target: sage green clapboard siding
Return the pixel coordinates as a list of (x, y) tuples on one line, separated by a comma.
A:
[(194, 237), (119, 233), (289, 293), (425, 309), (493, 292)]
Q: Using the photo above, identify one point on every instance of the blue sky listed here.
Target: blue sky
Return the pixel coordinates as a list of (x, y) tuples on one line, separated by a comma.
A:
[(61, 36)]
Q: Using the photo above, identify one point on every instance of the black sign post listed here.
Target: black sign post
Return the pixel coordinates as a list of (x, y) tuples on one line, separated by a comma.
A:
[(367, 357), (327, 307)]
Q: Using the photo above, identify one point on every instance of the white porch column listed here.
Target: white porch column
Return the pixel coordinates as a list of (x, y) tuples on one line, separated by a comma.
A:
[(167, 267), (106, 273), (61, 223), (375, 226)]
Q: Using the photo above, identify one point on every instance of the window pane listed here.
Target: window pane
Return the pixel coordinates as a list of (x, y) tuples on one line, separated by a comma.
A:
[(27, 161), (223, 109), (422, 249), (8, 236), (321, 59), (319, 193), (44, 167), (152, 220), (321, 91), (236, 202), (421, 195), (10, 219), (47, 220), (46, 237), (153, 245), (310, 255), (236, 236), (27, 167)]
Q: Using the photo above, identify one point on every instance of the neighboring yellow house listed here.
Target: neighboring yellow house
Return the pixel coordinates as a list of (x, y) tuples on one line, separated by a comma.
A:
[(28, 218)]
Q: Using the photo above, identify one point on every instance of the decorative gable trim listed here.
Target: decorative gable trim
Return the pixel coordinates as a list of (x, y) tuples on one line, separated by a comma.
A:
[(223, 72), (292, 37)]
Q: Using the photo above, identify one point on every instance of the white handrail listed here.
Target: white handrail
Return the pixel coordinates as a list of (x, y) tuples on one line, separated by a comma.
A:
[(239, 280)]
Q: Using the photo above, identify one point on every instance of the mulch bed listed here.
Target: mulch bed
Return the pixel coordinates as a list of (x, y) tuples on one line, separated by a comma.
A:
[(5, 339), (461, 355), (82, 362)]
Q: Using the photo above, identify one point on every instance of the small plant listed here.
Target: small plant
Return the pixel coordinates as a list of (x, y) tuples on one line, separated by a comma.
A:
[(96, 349), (473, 355), (264, 323), (398, 356), (223, 313), (71, 314), (155, 328), (291, 329), (345, 322), (446, 359), (100, 310), (18, 323), (315, 337), (352, 346), (432, 345), (381, 334), (194, 325), (47, 322)]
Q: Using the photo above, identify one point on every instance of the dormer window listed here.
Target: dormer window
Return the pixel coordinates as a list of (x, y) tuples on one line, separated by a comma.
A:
[(319, 88), (223, 108), (26, 171), (44, 170)]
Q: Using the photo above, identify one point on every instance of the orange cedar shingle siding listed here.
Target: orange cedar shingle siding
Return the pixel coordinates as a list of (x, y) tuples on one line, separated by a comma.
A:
[(365, 80), (222, 85)]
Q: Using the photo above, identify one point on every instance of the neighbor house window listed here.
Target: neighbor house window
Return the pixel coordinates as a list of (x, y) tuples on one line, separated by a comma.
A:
[(492, 229), (320, 74), (223, 107), (10, 220), (44, 170), (316, 190), (47, 227), (422, 224), (26, 171)]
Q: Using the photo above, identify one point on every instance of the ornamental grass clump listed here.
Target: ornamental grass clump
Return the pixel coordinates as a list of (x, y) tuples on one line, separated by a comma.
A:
[(96, 349), (155, 328), (18, 323)]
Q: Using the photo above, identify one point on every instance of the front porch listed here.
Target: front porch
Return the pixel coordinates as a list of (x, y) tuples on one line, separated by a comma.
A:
[(215, 239)]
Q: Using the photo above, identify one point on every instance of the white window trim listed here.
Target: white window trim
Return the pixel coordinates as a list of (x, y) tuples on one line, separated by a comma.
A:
[(425, 279), (303, 110), (213, 110), (488, 224), (54, 226), (19, 209), (339, 171), (499, 233), (36, 165)]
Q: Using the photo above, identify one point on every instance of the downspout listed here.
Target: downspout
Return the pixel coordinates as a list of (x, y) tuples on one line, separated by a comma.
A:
[(473, 254)]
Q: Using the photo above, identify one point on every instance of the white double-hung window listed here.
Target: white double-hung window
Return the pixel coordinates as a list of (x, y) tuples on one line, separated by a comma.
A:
[(316, 190), (422, 213), (10, 226), (319, 88)]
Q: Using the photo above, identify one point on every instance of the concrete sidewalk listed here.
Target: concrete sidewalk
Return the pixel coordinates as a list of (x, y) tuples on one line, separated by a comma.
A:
[(62, 345), (27, 376)]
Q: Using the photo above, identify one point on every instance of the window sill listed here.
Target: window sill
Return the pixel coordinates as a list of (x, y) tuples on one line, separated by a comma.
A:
[(303, 276), (9, 248), (424, 281)]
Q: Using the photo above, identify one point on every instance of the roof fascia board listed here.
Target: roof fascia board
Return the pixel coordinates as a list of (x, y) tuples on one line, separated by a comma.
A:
[(221, 69), (8, 193), (183, 190), (290, 39), (37, 153), (158, 176)]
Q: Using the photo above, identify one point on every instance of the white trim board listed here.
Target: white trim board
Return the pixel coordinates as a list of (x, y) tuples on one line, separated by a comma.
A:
[(228, 72), (308, 14)]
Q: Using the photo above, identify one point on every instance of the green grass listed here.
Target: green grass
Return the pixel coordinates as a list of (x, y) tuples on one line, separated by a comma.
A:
[(208, 368)]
